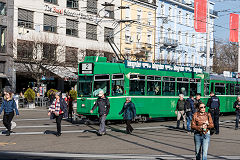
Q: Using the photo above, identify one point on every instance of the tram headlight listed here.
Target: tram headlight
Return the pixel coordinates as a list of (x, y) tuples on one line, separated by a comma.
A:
[(83, 105)]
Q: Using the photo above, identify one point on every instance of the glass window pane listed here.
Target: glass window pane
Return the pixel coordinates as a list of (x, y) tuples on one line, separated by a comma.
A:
[(118, 76), (168, 88), (206, 89), (219, 89), (153, 88), (101, 85), (117, 87), (182, 88), (237, 89), (137, 87), (85, 86), (101, 77), (150, 77)]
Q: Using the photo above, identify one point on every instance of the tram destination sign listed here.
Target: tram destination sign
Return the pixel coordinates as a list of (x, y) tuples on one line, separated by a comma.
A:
[(162, 67), (86, 68)]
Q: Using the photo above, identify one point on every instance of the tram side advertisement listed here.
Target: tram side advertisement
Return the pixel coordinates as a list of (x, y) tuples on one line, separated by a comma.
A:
[(86, 68)]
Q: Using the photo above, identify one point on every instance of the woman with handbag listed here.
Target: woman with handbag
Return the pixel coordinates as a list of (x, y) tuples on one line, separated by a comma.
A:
[(8, 105), (57, 110)]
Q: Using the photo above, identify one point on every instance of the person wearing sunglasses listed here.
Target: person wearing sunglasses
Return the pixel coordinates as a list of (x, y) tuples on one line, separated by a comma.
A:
[(201, 124)]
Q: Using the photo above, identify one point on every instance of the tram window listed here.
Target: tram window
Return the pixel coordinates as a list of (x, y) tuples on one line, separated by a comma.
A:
[(237, 89), (150, 77), (137, 85), (158, 78), (206, 89), (102, 82), (195, 88), (85, 86), (182, 86), (212, 84), (117, 84), (153, 86), (219, 88), (230, 89), (168, 86)]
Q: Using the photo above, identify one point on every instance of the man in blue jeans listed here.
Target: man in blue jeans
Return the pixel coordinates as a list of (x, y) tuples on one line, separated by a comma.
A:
[(201, 124), (189, 110)]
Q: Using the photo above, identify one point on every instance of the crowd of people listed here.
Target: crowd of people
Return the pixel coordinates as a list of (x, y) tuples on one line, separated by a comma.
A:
[(192, 111)]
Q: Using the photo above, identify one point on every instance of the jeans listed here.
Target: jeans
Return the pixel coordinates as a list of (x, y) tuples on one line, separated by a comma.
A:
[(201, 145), (237, 118), (7, 118), (102, 120), (189, 119), (129, 128), (58, 121)]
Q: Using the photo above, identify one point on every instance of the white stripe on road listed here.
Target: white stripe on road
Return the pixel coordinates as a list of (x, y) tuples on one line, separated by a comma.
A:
[(109, 156), (30, 119), (46, 126)]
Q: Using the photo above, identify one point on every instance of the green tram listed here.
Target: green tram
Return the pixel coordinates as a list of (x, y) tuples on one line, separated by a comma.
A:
[(154, 88)]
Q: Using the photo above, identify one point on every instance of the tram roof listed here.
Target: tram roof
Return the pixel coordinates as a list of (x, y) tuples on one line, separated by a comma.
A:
[(222, 78)]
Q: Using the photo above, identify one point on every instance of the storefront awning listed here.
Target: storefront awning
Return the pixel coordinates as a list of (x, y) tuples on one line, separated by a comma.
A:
[(66, 73)]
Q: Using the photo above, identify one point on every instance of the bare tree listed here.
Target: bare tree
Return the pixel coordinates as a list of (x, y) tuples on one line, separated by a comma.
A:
[(225, 57)]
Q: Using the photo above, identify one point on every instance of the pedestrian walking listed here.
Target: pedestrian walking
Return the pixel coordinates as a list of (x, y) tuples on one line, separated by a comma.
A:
[(129, 113), (103, 109), (201, 124), (70, 107), (58, 110), (189, 110), (180, 111), (214, 108), (197, 101), (8, 105), (236, 105)]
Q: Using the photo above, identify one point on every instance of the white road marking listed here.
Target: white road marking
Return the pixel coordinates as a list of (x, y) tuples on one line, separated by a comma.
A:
[(45, 126)]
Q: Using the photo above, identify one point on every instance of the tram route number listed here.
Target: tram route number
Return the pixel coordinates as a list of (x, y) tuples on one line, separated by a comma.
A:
[(87, 68)]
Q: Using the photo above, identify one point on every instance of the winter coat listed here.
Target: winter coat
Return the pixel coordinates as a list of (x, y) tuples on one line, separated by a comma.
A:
[(180, 105), (213, 102), (129, 111), (236, 103), (9, 106), (103, 105), (59, 108), (189, 107)]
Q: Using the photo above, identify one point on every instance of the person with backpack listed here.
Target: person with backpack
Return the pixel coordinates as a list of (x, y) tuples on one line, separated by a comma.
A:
[(214, 108), (201, 124), (103, 105), (180, 111), (129, 113), (58, 110), (8, 105), (236, 106), (189, 110), (197, 101)]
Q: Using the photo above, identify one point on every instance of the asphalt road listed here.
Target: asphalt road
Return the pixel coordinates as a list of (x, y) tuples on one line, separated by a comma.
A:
[(156, 139)]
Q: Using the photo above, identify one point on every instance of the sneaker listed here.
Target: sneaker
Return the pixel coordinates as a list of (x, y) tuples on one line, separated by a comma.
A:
[(8, 133), (58, 134), (236, 128)]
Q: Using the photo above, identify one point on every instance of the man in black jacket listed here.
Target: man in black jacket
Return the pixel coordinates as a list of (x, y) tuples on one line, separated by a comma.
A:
[(103, 109), (214, 108), (236, 105)]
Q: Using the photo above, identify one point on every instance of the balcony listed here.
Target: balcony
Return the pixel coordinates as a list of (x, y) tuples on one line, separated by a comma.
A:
[(170, 42)]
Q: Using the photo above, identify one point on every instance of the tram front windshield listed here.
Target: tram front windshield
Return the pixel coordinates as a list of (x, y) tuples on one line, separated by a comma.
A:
[(85, 86)]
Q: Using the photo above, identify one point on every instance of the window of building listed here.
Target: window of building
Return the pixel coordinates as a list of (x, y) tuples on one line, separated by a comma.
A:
[(170, 13), (137, 85), (117, 84), (179, 37), (150, 18), (91, 31), (72, 27), (193, 40), (149, 38), (162, 9), (186, 36), (139, 37), (3, 9), (127, 13), (182, 86), (72, 4), (50, 23), (108, 33), (24, 49), (168, 86), (179, 16), (25, 18), (127, 34), (187, 19), (92, 6), (2, 67), (51, 1), (139, 15), (90, 52), (3, 31), (153, 85), (71, 56), (109, 10), (49, 51), (101, 82)]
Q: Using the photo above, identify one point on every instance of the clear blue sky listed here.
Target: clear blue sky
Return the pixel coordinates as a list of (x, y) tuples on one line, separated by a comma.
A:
[(225, 7)]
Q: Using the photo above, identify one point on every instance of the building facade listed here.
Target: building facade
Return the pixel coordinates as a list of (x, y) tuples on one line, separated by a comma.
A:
[(54, 35), (138, 29), (7, 76), (176, 40)]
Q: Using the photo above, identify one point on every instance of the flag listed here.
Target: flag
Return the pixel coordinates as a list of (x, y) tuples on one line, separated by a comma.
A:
[(200, 15), (234, 27)]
